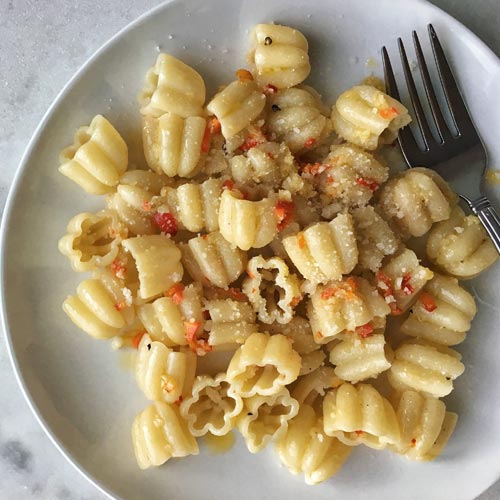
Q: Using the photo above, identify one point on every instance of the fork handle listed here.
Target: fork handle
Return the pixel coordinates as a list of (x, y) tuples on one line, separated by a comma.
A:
[(488, 216)]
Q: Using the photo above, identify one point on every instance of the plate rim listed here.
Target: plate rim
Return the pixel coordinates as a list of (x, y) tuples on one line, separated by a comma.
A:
[(471, 38)]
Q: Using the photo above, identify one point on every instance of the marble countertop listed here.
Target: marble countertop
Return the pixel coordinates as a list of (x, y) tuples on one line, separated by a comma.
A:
[(43, 43)]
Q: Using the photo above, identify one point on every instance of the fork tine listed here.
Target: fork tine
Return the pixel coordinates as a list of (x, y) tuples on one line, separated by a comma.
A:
[(459, 112), (415, 100)]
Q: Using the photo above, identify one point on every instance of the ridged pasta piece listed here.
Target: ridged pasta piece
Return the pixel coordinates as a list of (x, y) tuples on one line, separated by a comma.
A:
[(425, 426), (159, 433), (280, 55), (92, 240), (231, 323), (343, 306), (237, 105), (212, 257), (158, 262), (162, 373), (305, 448), (311, 388), (367, 117), (97, 158), (358, 359), (194, 206), (265, 418), (415, 199), (174, 87), (132, 200), (402, 279), (272, 290), (298, 118), (374, 237), (263, 365), (443, 314), (173, 145), (358, 414), (213, 406), (460, 245), (425, 367), (324, 251), (244, 223)]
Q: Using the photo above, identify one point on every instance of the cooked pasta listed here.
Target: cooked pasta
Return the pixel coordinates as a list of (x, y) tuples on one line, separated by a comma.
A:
[(311, 388), (97, 158)]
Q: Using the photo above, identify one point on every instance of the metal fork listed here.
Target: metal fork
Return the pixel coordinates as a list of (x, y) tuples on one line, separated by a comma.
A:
[(459, 158)]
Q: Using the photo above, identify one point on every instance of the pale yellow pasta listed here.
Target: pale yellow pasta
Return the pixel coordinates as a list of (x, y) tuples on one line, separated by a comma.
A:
[(425, 367), (159, 433), (92, 240), (298, 330), (244, 223), (446, 318), (358, 414), (263, 365), (272, 290), (212, 407), (212, 257), (174, 87), (311, 388), (280, 55), (97, 158), (237, 106), (367, 117), (311, 361), (324, 251), (425, 426), (358, 359), (343, 306), (460, 245), (298, 118), (415, 199), (265, 418)]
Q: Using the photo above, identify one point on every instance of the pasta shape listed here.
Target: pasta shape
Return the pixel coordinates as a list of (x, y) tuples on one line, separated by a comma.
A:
[(416, 199), (97, 158), (425, 367), (344, 306), (244, 223), (367, 117), (272, 290), (263, 365), (172, 87), (280, 55), (460, 245), (265, 418), (358, 414), (425, 426), (173, 144), (310, 389), (92, 240), (324, 251), (214, 258), (237, 106), (159, 433), (158, 263), (213, 406), (443, 314)]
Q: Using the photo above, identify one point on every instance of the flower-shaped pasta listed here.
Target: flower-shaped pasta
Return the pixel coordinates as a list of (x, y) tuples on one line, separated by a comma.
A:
[(425, 367), (174, 87), (461, 246), (442, 314), (358, 414), (272, 290), (92, 240), (367, 117), (213, 406), (97, 158), (159, 433), (263, 365), (265, 418), (311, 388)]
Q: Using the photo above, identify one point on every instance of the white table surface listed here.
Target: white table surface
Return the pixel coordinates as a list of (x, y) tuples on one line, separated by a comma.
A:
[(43, 42)]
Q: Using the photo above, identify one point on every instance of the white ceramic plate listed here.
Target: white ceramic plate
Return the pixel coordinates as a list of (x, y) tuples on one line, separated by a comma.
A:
[(76, 386)]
